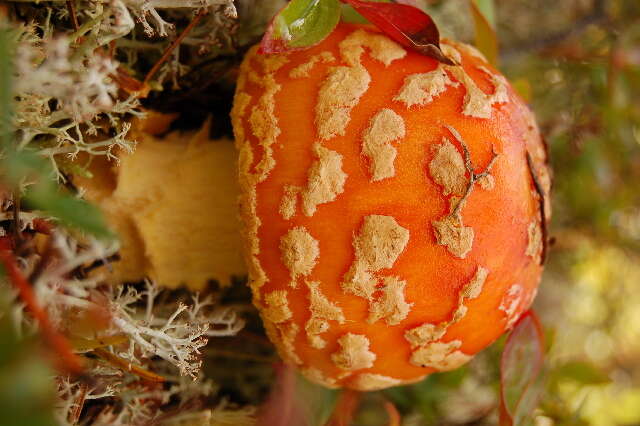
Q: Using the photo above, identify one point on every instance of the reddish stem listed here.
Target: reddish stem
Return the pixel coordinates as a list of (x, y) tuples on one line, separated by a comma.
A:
[(392, 412), (345, 409), (42, 226), (74, 416), (68, 362), (172, 46), (128, 366), (72, 14)]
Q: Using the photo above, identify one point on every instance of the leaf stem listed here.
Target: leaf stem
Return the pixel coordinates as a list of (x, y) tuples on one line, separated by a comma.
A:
[(68, 362), (172, 46), (345, 409), (128, 366), (72, 14)]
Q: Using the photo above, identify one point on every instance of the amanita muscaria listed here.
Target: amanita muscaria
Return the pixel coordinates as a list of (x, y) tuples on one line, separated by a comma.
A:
[(394, 207)]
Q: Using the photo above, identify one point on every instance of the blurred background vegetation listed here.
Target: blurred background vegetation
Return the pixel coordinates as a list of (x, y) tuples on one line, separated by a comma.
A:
[(577, 62)]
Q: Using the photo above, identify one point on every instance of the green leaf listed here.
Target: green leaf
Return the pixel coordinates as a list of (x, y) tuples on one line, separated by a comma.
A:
[(581, 372), (70, 211), (5, 85), (485, 34), (27, 392), (46, 196), (302, 23), (20, 165), (523, 87)]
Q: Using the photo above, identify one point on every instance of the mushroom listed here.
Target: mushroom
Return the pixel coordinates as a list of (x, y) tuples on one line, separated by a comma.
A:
[(172, 202), (394, 208)]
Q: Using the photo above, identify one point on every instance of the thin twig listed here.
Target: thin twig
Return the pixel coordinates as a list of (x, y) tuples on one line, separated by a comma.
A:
[(345, 409), (74, 416), (128, 366), (392, 412), (71, 7), (473, 176), (595, 16), (68, 362), (16, 218), (172, 46), (45, 259)]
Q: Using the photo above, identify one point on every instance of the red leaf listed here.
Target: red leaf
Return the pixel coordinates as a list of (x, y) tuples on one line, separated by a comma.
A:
[(520, 370), (270, 43), (345, 409), (282, 407), (407, 25)]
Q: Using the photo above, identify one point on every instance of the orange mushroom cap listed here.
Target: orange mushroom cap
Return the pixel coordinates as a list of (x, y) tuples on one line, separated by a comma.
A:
[(394, 207)]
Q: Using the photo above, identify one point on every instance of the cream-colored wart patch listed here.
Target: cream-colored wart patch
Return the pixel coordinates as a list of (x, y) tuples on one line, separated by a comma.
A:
[(371, 382), (487, 182), (316, 376), (288, 333), (428, 333), (272, 63), (344, 86), (264, 127), (289, 202), (377, 246), (474, 287), (314, 327), (339, 93), (425, 333), (283, 336), (304, 69), (391, 304), (299, 252), (470, 291), (384, 128), (439, 355), (322, 311), (512, 304), (354, 353), (276, 307), (325, 180), (422, 89), (447, 169), (476, 102), (381, 47), (535, 244), (428, 350), (451, 232)]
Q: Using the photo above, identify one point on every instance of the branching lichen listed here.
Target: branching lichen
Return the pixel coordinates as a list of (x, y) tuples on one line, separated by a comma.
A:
[(76, 76)]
